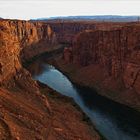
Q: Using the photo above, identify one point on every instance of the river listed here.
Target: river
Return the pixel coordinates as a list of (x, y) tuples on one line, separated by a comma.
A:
[(113, 120)]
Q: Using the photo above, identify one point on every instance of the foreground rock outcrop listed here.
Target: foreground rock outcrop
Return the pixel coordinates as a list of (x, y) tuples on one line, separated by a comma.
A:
[(24, 115), (108, 60), (25, 112), (20, 41)]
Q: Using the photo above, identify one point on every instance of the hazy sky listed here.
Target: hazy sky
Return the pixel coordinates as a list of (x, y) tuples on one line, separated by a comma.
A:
[(26, 9)]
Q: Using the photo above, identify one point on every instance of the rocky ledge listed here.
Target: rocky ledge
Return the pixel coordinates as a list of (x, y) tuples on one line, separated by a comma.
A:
[(26, 114)]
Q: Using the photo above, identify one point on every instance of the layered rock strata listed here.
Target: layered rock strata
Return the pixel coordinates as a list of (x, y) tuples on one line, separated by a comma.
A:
[(20, 41), (25, 112), (66, 30), (108, 60)]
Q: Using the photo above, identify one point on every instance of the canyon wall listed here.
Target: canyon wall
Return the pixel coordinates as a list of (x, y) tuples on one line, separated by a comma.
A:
[(66, 30), (111, 48), (21, 40), (20, 97), (25, 112), (111, 58)]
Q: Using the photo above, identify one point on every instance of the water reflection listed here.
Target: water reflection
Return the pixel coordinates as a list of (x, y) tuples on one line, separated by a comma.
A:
[(114, 121), (124, 117)]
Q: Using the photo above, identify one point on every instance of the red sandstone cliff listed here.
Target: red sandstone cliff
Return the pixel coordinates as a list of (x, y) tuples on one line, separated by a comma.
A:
[(113, 48), (21, 40), (107, 57), (109, 60), (16, 83), (24, 109), (66, 31)]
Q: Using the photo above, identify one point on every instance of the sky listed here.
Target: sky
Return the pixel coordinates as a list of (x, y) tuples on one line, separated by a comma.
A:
[(29, 9)]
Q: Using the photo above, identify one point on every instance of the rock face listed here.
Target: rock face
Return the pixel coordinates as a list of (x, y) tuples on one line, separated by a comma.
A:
[(116, 51), (9, 55), (16, 83), (21, 40), (114, 47), (25, 112), (66, 30)]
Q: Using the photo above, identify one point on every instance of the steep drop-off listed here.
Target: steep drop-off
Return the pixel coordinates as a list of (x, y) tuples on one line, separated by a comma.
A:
[(20, 41), (108, 60), (25, 112), (66, 30)]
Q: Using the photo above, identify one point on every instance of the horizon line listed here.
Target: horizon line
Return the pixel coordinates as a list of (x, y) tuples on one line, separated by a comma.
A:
[(49, 17)]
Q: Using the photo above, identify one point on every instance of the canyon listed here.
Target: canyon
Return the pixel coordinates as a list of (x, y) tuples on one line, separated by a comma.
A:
[(98, 55), (107, 60), (28, 109)]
